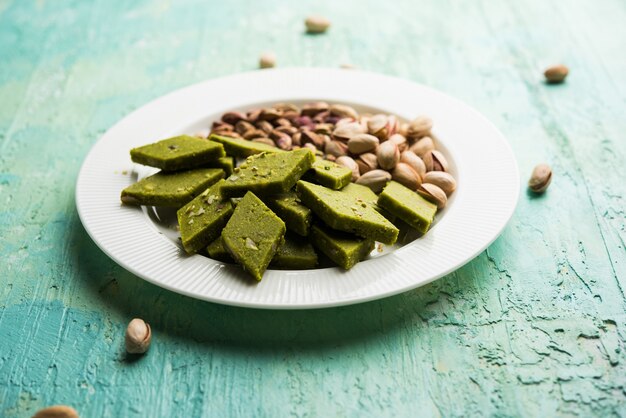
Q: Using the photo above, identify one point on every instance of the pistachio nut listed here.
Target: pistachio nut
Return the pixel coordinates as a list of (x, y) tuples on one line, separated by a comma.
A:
[(345, 131), (540, 178), (254, 133), (312, 109), (226, 132), (296, 139), (420, 127), (233, 117), (324, 128), (377, 126), (56, 411), (316, 24), (361, 143), (282, 121), (310, 146), (343, 111), (138, 336), (367, 162), (416, 163), (286, 107), (264, 140), (441, 179), (282, 140), (349, 162), (388, 155), (267, 60), (270, 114), (243, 126), (222, 125), (556, 73), (433, 194), (400, 141), (336, 148), (289, 130), (404, 129), (405, 175), (435, 161), (375, 180), (310, 137), (393, 125), (303, 122), (321, 117), (265, 126), (422, 146), (330, 157)]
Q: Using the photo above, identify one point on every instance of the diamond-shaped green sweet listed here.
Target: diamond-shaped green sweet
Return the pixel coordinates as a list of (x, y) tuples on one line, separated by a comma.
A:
[(295, 253), (238, 147), (178, 153), (407, 205), (288, 207), (253, 234), (201, 221), (170, 189), (343, 248), (343, 212), (329, 174), (268, 173)]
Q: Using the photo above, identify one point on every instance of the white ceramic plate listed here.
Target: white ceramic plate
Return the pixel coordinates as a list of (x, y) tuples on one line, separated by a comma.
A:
[(141, 240)]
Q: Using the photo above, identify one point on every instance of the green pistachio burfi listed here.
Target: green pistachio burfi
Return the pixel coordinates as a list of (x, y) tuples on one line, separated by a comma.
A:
[(253, 234), (171, 189), (216, 251), (364, 193), (201, 220), (268, 173), (341, 211), (295, 253), (408, 206), (237, 147), (329, 174), (178, 153), (288, 207), (225, 163), (343, 248)]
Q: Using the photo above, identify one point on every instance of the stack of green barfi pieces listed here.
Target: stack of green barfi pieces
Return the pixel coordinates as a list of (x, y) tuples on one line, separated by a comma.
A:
[(275, 209)]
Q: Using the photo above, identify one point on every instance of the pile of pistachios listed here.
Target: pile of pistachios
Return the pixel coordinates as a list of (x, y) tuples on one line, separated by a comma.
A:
[(376, 147)]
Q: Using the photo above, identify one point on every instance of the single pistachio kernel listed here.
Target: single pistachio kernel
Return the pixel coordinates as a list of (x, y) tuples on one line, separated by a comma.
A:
[(267, 60), (56, 411), (556, 73), (540, 178), (138, 336), (316, 24)]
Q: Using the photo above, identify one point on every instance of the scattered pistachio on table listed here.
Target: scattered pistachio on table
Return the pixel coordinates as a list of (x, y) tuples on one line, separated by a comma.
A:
[(57, 411), (540, 178), (138, 336), (556, 73), (267, 60), (376, 147), (316, 24)]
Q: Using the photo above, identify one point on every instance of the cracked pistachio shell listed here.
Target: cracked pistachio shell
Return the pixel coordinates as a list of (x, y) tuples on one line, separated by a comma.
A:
[(361, 143), (441, 179), (540, 178), (435, 161), (375, 180), (420, 127), (138, 336), (388, 155), (367, 162), (347, 130), (414, 161), (405, 175), (343, 111), (336, 148), (400, 141), (434, 194), (422, 146)]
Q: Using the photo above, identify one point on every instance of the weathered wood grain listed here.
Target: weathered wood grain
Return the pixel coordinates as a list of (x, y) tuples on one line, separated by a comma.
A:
[(534, 326)]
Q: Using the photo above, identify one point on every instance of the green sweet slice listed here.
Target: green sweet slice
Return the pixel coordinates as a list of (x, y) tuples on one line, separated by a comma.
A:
[(253, 235), (170, 189), (295, 253), (331, 175), (178, 153), (267, 174), (408, 206), (364, 193), (288, 207), (202, 219), (237, 147), (343, 212), (341, 247), (225, 163), (217, 251)]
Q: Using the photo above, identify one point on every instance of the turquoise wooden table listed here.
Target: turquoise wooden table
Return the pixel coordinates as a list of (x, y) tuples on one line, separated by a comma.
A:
[(534, 326)]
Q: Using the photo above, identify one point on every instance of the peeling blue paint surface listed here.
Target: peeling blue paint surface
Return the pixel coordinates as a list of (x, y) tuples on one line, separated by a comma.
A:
[(534, 326)]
